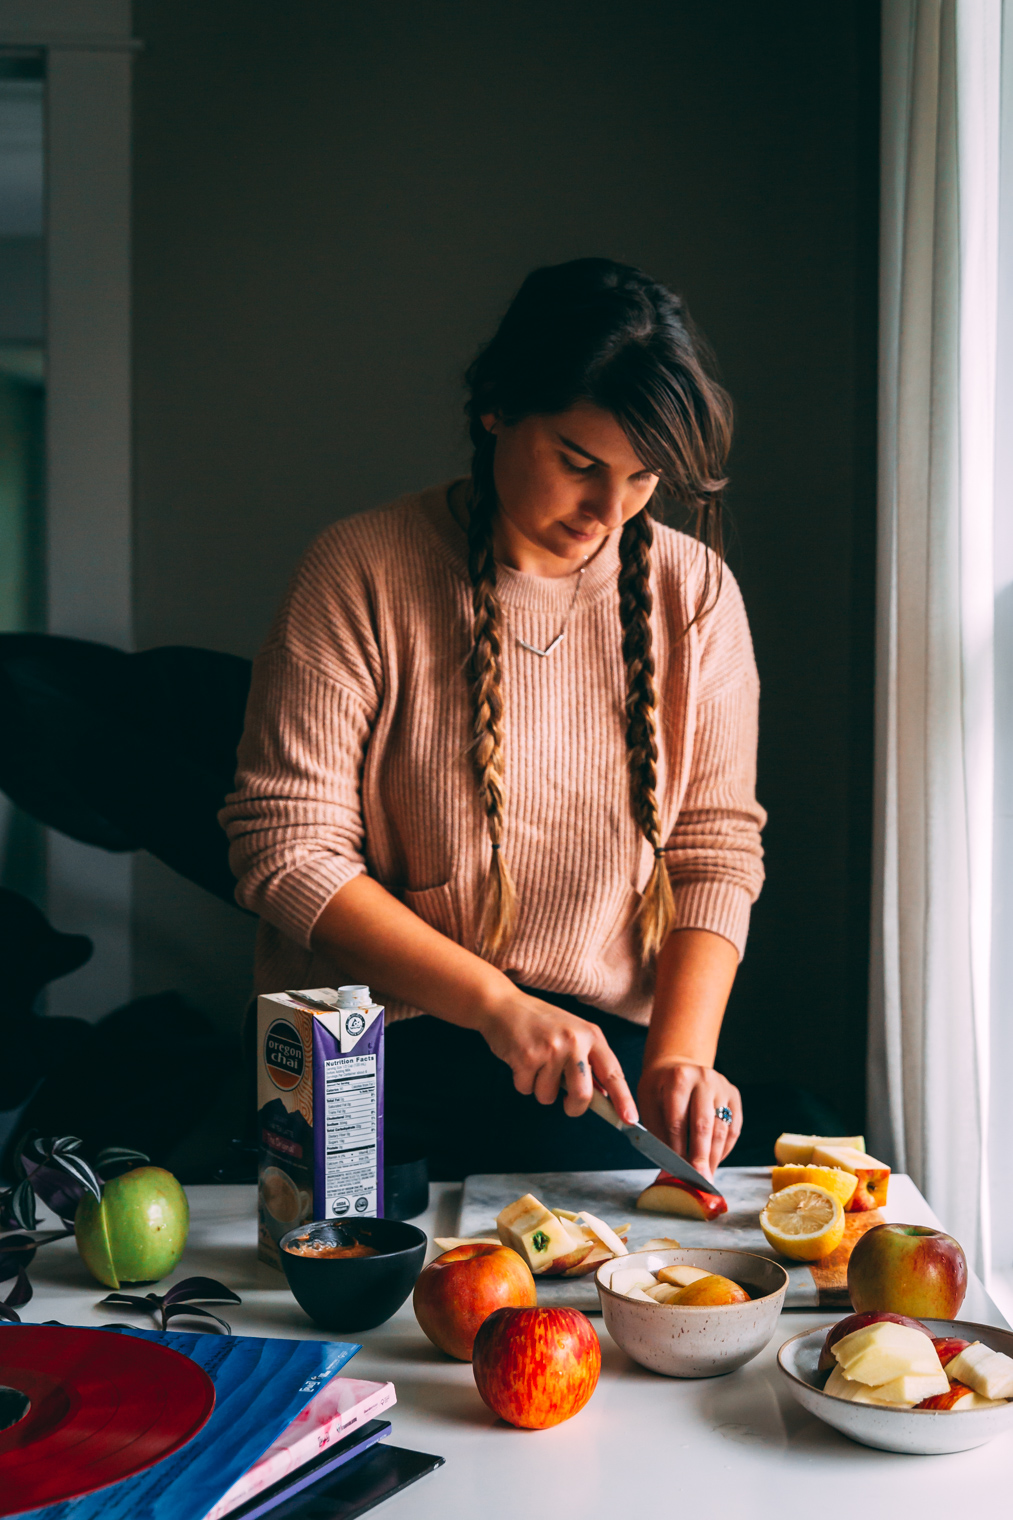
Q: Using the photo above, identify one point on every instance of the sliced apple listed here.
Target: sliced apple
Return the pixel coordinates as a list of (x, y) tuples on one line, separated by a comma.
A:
[(797, 1150), (681, 1277), (987, 1372), (873, 1176), (670, 1195), (661, 1243), (882, 1352)]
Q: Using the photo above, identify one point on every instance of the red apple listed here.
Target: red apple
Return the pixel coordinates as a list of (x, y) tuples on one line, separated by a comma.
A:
[(670, 1195), (536, 1367), (461, 1288), (948, 1346), (858, 1322), (908, 1269)]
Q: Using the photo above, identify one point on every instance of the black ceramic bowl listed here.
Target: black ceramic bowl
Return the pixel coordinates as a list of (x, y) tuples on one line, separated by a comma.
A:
[(357, 1292)]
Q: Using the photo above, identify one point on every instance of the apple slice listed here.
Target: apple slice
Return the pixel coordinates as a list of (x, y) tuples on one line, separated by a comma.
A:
[(858, 1322), (958, 1399), (603, 1233), (663, 1293), (901, 1392), (625, 1279), (948, 1346), (873, 1176), (661, 1243), (670, 1195), (988, 1372), (882, 1352), (797, 1150), (681, 1277), (591, 1262), (910, 1389), (839, 1387)]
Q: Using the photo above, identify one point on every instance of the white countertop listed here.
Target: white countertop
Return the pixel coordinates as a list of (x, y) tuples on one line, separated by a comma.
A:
[(731, 1448)]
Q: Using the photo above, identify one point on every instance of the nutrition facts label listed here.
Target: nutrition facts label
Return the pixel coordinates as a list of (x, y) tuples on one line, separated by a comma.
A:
[(350, 1089)]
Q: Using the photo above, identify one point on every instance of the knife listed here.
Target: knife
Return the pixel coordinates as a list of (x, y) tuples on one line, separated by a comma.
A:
[(650, 1146)]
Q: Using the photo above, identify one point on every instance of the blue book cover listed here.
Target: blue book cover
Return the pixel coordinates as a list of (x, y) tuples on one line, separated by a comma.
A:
[(260, 1387)]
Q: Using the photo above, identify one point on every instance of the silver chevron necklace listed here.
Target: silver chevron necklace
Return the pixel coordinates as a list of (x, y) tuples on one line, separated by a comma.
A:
[(541, 653)]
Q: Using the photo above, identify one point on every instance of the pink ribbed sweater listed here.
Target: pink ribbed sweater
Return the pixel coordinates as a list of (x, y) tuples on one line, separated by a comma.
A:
[(355, 756)]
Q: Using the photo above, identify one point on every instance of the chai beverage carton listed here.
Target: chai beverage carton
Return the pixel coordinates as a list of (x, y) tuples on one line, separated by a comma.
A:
[(319, 1110)]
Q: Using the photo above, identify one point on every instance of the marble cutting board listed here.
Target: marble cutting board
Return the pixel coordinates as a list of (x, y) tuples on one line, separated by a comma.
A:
[(612, 1196)]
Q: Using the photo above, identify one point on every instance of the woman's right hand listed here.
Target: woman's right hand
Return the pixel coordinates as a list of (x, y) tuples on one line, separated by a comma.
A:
[(546, 1048)]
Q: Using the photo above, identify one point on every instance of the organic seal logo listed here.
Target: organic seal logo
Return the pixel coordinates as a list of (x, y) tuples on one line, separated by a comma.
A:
[(355, 1023), (283, 1055)]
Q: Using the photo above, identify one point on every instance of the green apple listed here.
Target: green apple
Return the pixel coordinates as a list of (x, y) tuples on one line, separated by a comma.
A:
[(138, 1231)]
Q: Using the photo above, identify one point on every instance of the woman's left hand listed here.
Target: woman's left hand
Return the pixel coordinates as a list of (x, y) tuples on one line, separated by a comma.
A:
[(679, 1102)]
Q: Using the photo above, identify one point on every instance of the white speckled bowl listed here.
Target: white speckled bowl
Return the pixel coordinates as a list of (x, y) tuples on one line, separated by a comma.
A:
[(687, 1341), (916, 1432)]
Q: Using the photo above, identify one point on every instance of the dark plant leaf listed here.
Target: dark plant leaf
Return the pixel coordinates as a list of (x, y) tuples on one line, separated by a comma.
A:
[(203, 1290), (173, 1311), (149, 1304), (21, 1292), (80, 1171), (114, 1159), (16, 1254), (22, 1205), (9, 1316)]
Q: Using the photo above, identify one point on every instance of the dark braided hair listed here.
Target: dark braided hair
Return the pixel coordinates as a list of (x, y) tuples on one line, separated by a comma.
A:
[(604, 333)]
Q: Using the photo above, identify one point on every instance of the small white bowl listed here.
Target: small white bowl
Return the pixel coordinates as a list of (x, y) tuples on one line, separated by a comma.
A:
[(694, 1341), (916, 1432)]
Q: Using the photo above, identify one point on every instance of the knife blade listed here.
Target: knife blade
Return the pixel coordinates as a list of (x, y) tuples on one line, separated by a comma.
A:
[(650, 1146)]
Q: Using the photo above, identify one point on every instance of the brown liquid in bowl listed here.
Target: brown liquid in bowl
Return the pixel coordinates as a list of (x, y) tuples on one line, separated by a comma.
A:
[(322, 1248)]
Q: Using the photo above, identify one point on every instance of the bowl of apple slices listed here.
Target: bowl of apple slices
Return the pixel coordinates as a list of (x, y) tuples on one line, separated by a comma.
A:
[(921, 1387), (691, 1313)]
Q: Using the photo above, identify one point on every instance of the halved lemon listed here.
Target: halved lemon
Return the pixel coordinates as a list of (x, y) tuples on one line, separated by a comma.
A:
[(834, 1178), (803, 1221)]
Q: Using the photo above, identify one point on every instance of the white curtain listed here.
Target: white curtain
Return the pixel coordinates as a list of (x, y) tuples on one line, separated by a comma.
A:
[(932, 919)]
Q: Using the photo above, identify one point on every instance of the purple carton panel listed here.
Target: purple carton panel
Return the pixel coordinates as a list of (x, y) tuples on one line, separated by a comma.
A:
[(320, 1113)]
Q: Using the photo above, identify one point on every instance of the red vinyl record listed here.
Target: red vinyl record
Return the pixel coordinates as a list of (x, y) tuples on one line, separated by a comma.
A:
[(102, 1408)]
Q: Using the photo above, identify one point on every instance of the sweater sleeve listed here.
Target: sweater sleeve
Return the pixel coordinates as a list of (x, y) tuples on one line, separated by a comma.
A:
[(714, 855), (294, 821)]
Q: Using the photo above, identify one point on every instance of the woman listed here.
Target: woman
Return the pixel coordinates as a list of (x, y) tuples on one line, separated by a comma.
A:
[(499, 756)]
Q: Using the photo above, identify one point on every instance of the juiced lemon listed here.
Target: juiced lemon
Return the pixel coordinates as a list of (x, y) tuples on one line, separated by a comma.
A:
[(834, 1178), (803, 1221)]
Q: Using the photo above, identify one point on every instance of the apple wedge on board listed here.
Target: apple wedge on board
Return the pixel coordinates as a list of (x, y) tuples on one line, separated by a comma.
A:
[(670, 1195)]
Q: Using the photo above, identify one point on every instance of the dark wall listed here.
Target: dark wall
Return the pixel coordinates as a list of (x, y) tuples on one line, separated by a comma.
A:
[(333, 204)]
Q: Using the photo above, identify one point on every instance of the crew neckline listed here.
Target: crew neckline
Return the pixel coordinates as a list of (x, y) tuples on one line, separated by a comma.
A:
[(520, 588)]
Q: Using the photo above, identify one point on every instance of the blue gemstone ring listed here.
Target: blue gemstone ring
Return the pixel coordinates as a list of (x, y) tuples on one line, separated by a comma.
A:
[(723, 1113)]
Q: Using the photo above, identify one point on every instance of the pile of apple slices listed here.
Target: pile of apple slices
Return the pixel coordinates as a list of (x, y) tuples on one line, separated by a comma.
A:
[(558, 1242), (896, 1362), (686, 1286)]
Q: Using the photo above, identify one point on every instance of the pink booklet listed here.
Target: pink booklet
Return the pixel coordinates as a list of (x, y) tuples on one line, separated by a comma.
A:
[(340, 1407)]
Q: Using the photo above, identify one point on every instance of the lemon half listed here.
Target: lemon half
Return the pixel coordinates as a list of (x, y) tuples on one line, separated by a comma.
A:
[(804, 1222)]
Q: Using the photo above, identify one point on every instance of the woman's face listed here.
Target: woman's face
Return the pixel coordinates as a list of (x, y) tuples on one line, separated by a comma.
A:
[(564, 483)]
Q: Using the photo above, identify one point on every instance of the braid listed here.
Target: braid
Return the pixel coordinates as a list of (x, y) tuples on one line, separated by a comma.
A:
[(657, 910), (485, 674)]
